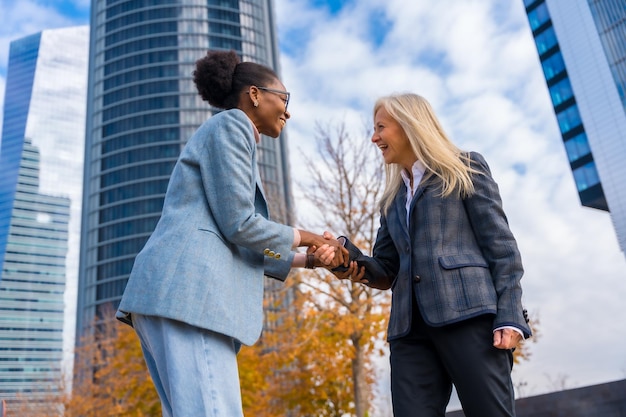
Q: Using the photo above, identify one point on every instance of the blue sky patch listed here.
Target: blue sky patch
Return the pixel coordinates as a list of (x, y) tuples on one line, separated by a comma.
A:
[(520, 168), (435, 59), (71, 9), (334, 6), (379, 26)]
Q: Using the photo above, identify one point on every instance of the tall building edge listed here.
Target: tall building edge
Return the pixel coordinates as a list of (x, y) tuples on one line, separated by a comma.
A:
[(584, 64), (82, 290)]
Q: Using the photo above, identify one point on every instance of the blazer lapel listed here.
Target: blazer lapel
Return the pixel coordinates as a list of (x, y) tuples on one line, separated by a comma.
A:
[(260, 201), (400, 207), (420, 190)]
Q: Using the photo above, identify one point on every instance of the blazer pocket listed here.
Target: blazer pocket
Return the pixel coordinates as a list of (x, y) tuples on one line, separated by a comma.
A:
[(466, 282), (214, 233), (462, 260)]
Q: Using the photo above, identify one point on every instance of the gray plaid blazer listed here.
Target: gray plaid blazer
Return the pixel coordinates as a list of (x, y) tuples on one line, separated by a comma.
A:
[(458, 256)]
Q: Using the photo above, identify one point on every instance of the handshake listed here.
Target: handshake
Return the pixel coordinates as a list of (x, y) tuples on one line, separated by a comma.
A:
[(342, 258)]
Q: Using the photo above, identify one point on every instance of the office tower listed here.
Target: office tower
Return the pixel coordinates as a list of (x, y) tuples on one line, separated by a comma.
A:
[(582, 49), (40, 203), (142, 108)]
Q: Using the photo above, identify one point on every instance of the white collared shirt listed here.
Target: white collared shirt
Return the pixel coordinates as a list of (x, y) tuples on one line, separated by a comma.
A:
[(417, 171)]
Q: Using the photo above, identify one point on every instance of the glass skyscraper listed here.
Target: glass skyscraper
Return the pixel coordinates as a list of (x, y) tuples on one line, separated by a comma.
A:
[(142, 107), (40, 205), (582, 49)]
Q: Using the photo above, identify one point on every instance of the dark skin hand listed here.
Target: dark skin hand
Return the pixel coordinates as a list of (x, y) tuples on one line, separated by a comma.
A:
[(339, 256)]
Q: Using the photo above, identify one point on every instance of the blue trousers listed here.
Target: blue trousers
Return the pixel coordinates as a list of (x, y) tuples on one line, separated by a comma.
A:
[(194, 370), (426, 362)]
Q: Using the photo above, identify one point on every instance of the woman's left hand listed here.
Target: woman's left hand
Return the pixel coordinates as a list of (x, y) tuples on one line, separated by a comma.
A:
[(506, 338)]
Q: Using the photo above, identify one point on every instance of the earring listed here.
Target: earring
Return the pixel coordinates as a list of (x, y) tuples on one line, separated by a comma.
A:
[(256, 104)]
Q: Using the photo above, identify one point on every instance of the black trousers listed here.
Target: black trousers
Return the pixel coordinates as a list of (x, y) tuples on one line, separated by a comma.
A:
[(426, 362)]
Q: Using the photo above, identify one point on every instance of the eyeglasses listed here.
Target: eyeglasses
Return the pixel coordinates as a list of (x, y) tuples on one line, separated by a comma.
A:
[(279, 92)]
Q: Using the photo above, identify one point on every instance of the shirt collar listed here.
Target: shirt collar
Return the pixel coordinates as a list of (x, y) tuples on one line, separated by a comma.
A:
[(417, 170)]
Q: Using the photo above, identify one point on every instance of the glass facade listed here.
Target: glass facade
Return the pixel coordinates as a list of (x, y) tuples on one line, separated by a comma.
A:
[(32, 288), (610, 19), (20, 75), (142, 107), (41, 174), (582, 50), (563, 99)]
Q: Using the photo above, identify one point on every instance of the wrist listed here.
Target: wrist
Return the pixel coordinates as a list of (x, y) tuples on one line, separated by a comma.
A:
[(296, 238), (309, 263)]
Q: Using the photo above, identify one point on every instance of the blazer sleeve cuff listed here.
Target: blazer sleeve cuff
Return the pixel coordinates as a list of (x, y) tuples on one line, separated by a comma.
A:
[(372, 268), (278, 268)]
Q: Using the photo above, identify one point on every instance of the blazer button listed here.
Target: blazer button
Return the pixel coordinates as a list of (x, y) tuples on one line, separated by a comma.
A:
[(266, 251), (417, 279), (277, 256), (271, 254)]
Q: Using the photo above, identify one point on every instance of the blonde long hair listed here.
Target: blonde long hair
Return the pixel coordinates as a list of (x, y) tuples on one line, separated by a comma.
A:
[(431, 146)]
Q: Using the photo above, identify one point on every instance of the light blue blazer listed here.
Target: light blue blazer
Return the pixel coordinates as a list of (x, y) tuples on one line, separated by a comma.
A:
[(204, 263)]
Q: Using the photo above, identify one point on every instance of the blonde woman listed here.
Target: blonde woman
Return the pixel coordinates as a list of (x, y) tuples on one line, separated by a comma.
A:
[(445, 249)]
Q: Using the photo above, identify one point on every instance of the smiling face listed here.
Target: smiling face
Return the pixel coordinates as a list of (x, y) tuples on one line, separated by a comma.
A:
[(270, 116), (392, 141)]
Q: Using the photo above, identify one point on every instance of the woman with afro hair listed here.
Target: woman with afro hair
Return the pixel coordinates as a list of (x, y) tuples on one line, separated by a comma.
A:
[(195, 293)]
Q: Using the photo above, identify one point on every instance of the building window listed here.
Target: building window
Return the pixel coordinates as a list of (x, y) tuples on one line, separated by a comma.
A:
[(553, 66), (568, 119), (538, 16), (143, 226), (577, 147), (138, 122), (586, 176), (561, 91), (135, 208), (545, 40), (140, 138)]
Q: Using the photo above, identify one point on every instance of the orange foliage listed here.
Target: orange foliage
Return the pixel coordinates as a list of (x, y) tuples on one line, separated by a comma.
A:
[(111, 378), (307, 363)]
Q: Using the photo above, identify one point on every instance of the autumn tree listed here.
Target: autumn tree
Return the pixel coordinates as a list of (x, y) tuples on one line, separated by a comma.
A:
[(347, 179), (111, 377), (324, 347)]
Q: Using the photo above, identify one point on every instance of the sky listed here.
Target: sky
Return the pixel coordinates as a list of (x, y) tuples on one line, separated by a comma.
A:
[(475, 61)]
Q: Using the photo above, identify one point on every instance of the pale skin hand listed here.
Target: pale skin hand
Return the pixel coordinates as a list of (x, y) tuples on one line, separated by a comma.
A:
[(315, 242), (506, 338), (325, 256), (354, 273)]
